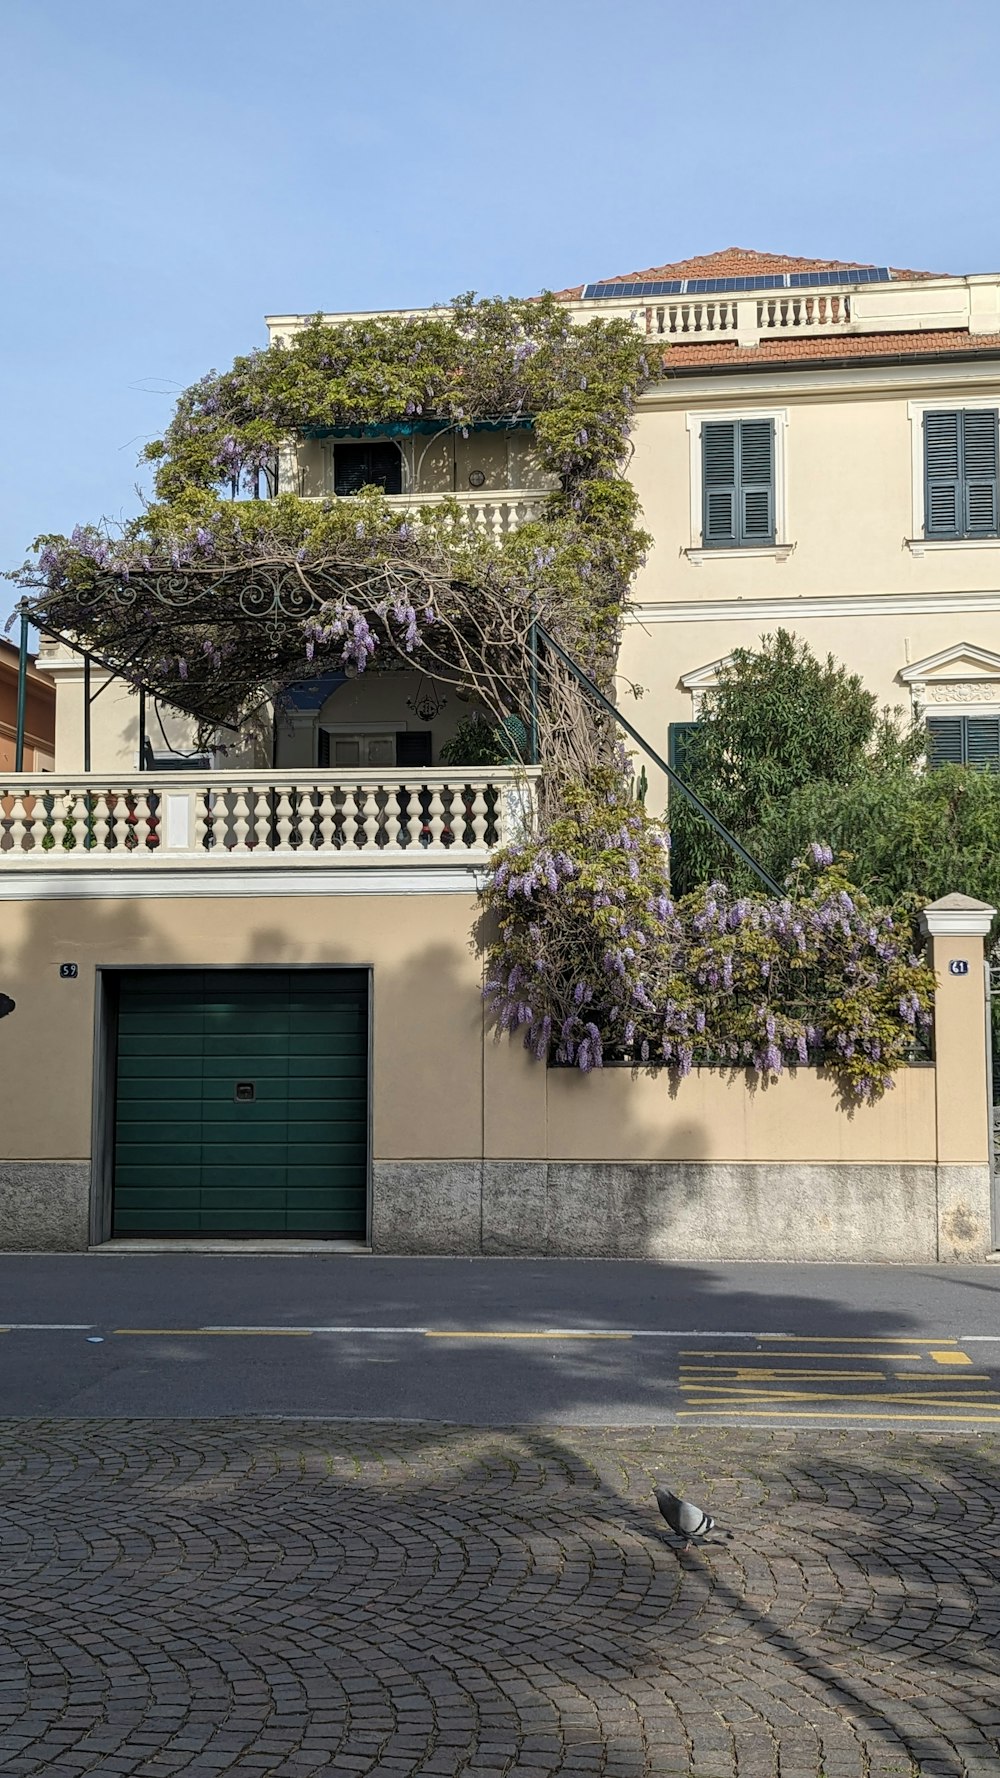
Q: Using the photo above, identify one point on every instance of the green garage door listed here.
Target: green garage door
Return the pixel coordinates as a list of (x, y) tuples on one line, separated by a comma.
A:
[(242, 1103)]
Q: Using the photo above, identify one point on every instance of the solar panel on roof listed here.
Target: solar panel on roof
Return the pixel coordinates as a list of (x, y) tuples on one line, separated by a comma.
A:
[(862, 274), (643, 287)]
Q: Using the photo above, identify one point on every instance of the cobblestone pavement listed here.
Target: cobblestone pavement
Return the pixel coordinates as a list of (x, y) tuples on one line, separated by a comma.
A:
[(292, 1597)]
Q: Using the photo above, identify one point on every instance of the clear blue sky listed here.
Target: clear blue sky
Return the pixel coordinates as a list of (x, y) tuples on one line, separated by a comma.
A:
[(171, 173)]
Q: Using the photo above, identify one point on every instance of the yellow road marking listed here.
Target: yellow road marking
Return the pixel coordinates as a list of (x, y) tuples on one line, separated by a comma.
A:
[(735, 1395), (951, 1357), (449, 1333), (768, 1357), (945, 1419), (212, 1333), (860, 1339), (933, 1377), (744, 1373)]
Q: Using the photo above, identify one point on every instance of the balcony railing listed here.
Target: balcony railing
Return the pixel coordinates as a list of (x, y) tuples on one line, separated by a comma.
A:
[(218, 820), (496, 513)]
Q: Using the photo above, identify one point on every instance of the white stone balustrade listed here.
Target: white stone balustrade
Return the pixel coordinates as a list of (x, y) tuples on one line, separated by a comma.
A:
[(750, 317), (497, 513), (215, 820)]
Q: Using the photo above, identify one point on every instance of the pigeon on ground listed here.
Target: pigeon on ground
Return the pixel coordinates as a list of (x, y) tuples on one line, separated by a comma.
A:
[(684, 1518)]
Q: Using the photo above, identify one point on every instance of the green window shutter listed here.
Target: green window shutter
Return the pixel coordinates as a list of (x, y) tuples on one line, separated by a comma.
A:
[(720, 519), (756, 451), (982, 742), (979, 453), (942, 475), (945, 741), (678, 738), (964, 741)]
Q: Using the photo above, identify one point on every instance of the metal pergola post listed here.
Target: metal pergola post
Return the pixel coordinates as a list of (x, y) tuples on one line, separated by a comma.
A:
[(86, 712), (22, 690)]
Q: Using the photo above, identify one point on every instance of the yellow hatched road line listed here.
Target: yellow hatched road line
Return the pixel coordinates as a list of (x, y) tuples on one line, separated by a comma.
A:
[(860, 1339), (858, 1357), (941, 1419), (745, 1373), (734, 1396)]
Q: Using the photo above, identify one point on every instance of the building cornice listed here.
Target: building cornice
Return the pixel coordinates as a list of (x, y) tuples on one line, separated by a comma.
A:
[(844, 378), (157, 881), (812, 605)]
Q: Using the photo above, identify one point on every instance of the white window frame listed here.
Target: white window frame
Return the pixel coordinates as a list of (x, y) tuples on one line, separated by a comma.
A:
[(917, 543), (781, 547)]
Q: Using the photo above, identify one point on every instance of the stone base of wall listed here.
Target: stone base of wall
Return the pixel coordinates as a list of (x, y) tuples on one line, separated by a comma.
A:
[(44, 1206), (683, 1210), (661, 1210)]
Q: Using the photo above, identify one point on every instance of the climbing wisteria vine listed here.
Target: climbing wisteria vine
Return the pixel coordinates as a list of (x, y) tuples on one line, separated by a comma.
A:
[(593, 962), (225, 591)]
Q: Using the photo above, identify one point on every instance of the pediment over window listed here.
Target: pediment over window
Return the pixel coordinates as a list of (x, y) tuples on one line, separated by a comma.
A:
[(702, 680), (961, 675)]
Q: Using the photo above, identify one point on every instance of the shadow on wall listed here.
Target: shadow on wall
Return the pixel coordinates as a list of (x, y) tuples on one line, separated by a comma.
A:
[(435, 1190)]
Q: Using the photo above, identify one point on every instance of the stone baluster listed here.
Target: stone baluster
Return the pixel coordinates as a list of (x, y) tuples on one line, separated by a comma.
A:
[(479, 819), (98, 822), (254, 837), (283, 824), (391, 823), (327, 820), (220, 820), (20, 824), (436, 820), (350, 828), (412, 816), (119, 825), (371, 819), (144, 831), (241, 820)]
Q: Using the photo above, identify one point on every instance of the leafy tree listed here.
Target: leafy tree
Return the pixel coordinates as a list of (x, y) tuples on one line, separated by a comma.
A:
[(905, 833), (779, 722)]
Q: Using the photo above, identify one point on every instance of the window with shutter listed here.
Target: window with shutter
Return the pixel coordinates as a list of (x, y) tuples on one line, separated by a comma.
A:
[(678, 737), (964, 741), (719, 480), (960, 473), (738, 482)]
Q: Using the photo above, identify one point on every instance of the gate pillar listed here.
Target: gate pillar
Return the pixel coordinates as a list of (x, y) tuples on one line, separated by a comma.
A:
[(956, 927)]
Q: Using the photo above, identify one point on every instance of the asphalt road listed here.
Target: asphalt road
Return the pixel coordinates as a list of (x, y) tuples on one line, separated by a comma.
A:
[(499, 1342)]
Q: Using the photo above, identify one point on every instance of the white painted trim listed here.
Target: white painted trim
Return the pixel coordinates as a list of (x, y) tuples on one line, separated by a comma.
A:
[(813, 605), (915, 411), (778, 551), (919, 546), (695, 420), (971, 922), (858, 381), (922, 707), (51, 884), (959, 651)]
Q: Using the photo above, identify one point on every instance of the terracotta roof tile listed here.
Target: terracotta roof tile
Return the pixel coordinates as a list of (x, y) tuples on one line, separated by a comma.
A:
[(734, 262), (853, 345)]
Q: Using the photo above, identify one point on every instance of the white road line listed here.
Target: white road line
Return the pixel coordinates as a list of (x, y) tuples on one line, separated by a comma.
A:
[(47, 1326)]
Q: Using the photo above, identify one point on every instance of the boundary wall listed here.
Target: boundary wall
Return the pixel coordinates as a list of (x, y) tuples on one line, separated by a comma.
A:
[(476, 1148)]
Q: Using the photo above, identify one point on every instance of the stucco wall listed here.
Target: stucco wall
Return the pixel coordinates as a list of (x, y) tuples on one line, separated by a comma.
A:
[(477, 1148)]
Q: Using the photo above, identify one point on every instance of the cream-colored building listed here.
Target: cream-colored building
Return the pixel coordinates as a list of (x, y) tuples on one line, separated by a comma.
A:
[(816, 410), (250, 980)]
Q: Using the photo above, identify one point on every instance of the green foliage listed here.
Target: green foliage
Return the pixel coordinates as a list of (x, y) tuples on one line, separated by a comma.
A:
[(780, 721), (904, 833), (477, 361), (592, 961), (477, 742)]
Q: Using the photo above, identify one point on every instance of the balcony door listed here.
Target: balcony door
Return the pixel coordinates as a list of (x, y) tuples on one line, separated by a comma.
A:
[(371, 465)]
